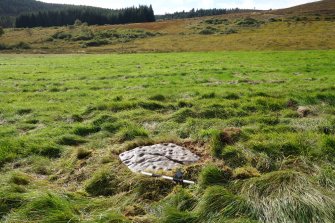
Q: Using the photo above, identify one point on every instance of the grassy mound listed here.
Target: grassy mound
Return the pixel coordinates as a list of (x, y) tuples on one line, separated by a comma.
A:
[(288, 196), (213, 175), (104, 182), (45, 208), (218, 201)]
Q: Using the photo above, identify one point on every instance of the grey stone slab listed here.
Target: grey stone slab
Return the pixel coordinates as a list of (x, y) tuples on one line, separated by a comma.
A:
[(159, 157)]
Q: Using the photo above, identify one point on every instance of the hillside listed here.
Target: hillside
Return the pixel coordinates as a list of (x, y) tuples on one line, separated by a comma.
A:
[(10, 9), (318, 7), (17, 7), (267, 30)]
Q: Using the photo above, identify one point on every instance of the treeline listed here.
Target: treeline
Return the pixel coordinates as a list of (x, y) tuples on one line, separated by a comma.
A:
[(92, 16), (9, 9), (200, 13), (16, 7), (7, 21)]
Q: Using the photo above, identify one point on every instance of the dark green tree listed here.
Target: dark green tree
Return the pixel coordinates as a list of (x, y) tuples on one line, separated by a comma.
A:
[(89, 15), (1, 31)]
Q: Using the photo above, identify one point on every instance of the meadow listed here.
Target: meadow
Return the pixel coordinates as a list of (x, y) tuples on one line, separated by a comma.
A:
[(262, 122)]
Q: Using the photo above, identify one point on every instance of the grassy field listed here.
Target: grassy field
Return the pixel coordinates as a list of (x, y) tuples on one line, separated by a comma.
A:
[(262, 122)]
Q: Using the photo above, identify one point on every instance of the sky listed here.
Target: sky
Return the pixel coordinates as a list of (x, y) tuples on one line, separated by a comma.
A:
[(166, 6)]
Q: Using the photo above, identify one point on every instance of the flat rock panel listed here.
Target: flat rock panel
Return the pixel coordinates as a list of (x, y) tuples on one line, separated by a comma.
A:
[(159, 157)]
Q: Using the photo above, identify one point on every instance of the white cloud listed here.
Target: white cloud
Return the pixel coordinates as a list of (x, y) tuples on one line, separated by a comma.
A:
[(162, 6)]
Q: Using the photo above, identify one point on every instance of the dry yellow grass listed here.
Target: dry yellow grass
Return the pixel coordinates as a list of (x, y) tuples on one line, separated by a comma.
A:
[(297, 28)]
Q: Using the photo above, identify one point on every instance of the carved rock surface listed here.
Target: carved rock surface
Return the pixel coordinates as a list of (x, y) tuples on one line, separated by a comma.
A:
[(159, 157)]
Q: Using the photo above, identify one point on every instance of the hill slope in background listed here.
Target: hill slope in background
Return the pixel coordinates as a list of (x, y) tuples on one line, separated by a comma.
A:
[(309, 26), (16, 7), (9, 9), (318, 7)]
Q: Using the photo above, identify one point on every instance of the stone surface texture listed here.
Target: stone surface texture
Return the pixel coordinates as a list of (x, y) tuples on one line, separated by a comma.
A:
[(159, 157)]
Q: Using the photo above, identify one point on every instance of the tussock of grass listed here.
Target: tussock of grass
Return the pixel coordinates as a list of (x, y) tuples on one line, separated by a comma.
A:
[(134, 210), (328, 147), (19, 179), (218, 201), (76, 118), (288, 196), (208, 95), (246, 172), (213, 175), (181, 199), (105, 183), (83, 153), (112, 127), (182, 114), (40, 165), (158, 97), (326, 177), (104, 119), (51, 151), (111, 217), (132, 132), (172, 215), (233, 156), (10, 200), (71, 140), (222, 138), (151, 105), (152, 189), (232, 96), (184, 104), (47, 208), (24, 111), (86, 130)]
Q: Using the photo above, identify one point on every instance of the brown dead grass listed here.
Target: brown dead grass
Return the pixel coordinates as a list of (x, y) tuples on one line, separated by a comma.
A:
[(182, 35)]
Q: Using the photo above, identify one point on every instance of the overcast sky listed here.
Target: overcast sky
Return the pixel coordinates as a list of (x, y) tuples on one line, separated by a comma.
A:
[(163, 6)]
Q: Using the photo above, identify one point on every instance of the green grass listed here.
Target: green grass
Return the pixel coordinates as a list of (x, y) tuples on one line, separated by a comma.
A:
[(65, 118), (103, 183)]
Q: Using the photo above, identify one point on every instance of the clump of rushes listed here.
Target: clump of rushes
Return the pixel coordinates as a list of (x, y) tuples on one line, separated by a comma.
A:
[(214, 175), (103, 183)]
